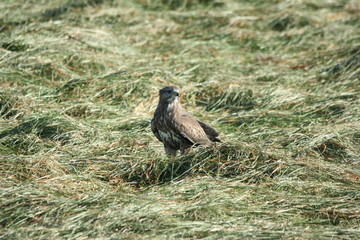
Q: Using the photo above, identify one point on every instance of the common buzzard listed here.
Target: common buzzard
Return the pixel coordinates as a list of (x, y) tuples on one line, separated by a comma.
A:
[(176, 128)]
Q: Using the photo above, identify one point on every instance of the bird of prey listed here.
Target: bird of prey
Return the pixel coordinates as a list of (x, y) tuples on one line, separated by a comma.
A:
[(176, 128)]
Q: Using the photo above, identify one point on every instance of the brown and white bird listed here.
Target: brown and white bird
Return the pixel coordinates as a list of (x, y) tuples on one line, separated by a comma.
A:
[(176, 128)]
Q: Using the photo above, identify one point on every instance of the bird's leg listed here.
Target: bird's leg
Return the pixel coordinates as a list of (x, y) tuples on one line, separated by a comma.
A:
[(184, 151), (170, 152)]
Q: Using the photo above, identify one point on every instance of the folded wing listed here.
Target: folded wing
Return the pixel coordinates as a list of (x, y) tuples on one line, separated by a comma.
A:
[(191, 129), (155, 130), (211, 133)]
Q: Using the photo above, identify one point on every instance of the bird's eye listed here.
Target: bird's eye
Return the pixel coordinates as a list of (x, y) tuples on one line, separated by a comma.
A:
[(168, 91)]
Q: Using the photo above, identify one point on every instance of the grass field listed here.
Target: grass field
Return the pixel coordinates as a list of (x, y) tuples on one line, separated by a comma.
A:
[(280, 80)]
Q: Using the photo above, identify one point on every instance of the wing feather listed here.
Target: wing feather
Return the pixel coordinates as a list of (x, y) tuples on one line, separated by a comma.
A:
[(190, 128), (155, 130), (211, 133)]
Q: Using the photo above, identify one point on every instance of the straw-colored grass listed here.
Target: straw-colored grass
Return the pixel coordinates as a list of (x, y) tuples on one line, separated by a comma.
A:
[(280, 80)]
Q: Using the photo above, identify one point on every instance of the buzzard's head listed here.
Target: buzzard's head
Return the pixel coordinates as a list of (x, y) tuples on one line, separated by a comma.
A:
[(169, 94)]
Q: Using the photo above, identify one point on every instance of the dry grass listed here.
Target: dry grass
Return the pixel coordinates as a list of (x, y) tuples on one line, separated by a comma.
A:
[(278, 79)]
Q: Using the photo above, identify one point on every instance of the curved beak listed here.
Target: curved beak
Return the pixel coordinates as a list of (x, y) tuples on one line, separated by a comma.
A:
[(177, 93)]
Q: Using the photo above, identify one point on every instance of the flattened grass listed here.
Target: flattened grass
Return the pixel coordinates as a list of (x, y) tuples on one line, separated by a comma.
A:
[(79, 82)]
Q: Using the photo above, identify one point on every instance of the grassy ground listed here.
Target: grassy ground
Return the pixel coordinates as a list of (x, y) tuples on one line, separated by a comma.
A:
[(279, 80)]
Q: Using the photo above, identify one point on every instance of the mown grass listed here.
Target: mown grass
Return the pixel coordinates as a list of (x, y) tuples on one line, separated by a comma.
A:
[(278, 79)]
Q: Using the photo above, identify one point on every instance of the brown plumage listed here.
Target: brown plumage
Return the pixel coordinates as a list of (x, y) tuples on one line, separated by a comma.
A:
[(176, 128)]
